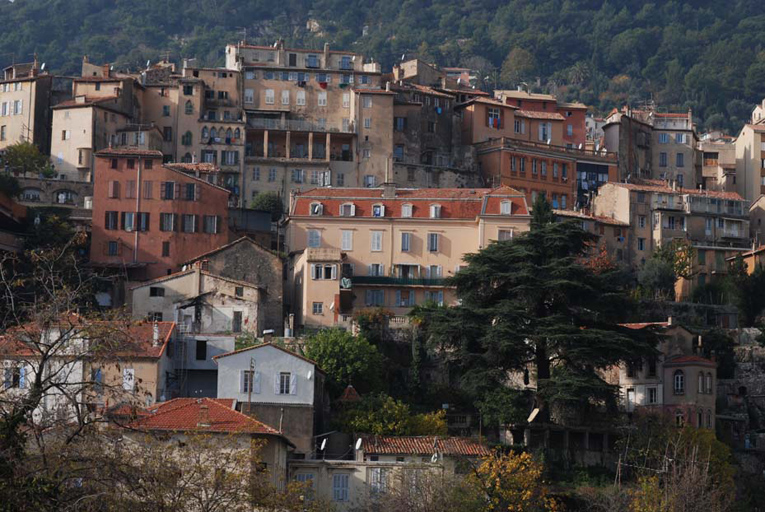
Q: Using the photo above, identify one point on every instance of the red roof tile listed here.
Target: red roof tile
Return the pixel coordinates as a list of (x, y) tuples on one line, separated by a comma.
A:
[(643, 325), (596, 218), (422, 445), (456, 203), (532, 114), (660, 186), (198, 167), (188, 415), (682, 360), (129, 151)]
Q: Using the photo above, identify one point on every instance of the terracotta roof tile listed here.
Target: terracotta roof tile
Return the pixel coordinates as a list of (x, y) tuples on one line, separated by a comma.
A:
[(532, 114), (422, 445), (88, 102), (373, 91), (187, 167), (129, 151), (677, 360), (660, 186), (597, 218), (187, 415), (643, 325)]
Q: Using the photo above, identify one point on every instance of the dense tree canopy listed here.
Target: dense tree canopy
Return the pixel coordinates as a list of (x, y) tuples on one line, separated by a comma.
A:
[(704, 55)]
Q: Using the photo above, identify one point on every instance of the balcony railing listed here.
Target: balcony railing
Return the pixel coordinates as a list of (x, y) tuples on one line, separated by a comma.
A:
[(298, 125), (397, 281)]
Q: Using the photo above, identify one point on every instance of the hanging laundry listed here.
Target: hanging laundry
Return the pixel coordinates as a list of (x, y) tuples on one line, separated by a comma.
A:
[(323, 85)]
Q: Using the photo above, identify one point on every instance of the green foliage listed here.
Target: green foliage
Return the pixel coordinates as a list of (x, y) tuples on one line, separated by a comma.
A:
[(9, 186), (749, 296), (381, 414), (529, 301), (657, 278), (24, 157), (694, 54), (346, 359), (269, 202)]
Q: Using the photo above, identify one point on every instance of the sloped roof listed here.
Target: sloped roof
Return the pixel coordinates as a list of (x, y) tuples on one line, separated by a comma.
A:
[(269, 344), (187, 415), (129, 151), (597, 218), (660, 186), (231, 244), (186, 167), (422, 445), (643, 325), (532, 114), (684, 360)]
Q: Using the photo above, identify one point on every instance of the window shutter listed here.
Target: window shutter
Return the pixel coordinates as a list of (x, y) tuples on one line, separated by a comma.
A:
[(293, 384), (427, 273), (276, 383), (382, 270), (334, 271), (218, 220), (256, 383), (162, 190), (196, 223), (398, 297), (313, 271), (369, 272), (353, 210), (177, 191), (197, 192), (22, 375), (501, 120), (488, 120), (122, 220), (242, 378), (183, 223)]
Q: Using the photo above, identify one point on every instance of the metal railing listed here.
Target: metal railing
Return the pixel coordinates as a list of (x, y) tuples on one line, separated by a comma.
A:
[(298, 125), (398, 281)]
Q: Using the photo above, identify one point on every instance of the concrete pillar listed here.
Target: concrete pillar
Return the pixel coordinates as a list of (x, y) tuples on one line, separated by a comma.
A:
[(310, 145), (265, 143), (287, 152), (328, 147)]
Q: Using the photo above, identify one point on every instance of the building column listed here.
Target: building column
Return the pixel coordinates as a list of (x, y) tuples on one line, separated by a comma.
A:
[(328, 148), (265, 143), (287, 152), (310, 145)]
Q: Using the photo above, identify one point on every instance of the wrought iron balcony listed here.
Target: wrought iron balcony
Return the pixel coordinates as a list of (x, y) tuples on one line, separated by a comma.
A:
[(397, 281)]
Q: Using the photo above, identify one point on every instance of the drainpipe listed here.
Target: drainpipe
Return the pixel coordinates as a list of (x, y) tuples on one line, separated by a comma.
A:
[(136, 226)]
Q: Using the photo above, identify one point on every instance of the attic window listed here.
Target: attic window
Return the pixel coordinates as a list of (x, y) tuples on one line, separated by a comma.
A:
[(239, 291), (506, 207), (378, 210), (317, 209), (406, 210), (347, 210), (435, 211)]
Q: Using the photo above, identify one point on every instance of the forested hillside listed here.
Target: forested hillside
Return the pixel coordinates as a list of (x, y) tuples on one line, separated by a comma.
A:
[(706, 54)]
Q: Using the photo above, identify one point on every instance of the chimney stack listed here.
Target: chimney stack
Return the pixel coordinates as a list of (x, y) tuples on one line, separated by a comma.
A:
[(204, 416)]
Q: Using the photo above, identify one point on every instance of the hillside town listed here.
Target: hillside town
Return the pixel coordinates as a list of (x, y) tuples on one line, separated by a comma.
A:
[(364, 277)]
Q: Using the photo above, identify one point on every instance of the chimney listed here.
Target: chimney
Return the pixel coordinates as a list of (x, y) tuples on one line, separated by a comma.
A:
[(204, 416), (107, 71), (85, 59), (155, 334), (387, 86), (389, 191)]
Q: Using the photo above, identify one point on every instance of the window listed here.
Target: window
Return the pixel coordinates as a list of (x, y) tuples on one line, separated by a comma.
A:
[(709, 383), (641, 221), (211, 224), (316, 209), (167, 221), (188, 90), (3, 132), (190, 191), (701, 383), (641, 244), (317, 308), (340, 487), (653, 396), (519, 126), (269, 96), (378, 480), (544, 169), (662, 159), (399, 124), (505, 207), (113, 248), (431, 127), (143, 221), (493, 117), (376, 239), (569, 130), (680, 160), (378, 210), (406, 242), (376, 269), (505, 234), (680, 138), (322, 98), (406, 210), (165, 249), (366, 101), (435, 211), (167, 134), (340, 179), (236, 322), (375, 298), (65, 134), (285, 380), (189, 223), (346, 242), (285, 97), (300, 98), (110, 221), (679, 382), (272, 174), (247, 382), (314, 238), (367, 122), (201, 352), (679, 418), (167, 190), (433, 242), (437, 297), (663, 138), (128, 379), (128, 221), (369, 181), (297, 176), (256, 174)]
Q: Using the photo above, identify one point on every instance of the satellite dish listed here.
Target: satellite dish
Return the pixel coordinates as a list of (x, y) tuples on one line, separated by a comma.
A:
[(310, 374), (323, 444), (434, 458), (42, 67), (358, 444), (533, 415)]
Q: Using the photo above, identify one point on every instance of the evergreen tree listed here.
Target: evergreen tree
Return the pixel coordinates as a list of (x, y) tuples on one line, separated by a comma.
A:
[(531, 303)]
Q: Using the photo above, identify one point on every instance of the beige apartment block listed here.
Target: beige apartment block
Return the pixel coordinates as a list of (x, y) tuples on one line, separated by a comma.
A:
[(716, 223), (718, 163), (674, 148), (750, 161), (386, 247), (314, 118)]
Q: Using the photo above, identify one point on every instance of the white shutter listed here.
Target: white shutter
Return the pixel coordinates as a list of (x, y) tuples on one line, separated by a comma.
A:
[(439, 271), (256, 383), (353, 210), (276, 383), (369, 273), (242, 377), (382, 270), (334, 272), (293, 384)]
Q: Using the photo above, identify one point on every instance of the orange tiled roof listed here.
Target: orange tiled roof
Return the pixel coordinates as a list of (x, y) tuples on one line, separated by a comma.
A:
[(456, 203), (643, 325), (89, 101), (186, 415), (532, 114), (597, 218), (129, 151), (422, 445), (677, 360), (200, 166), (662, 187)]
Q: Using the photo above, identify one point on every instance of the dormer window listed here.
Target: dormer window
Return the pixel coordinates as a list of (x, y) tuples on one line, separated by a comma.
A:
[(435, 211), (317, 209), (406, 210), (347, 210), (378, 210), (505, 208)]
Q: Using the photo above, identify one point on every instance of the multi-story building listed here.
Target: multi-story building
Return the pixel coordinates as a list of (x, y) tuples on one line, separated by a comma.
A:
[(388, 247), (716, 223), (574, 132), (151, 219), (610, 233), (26, 95), (718, 163), (313, 118), (678, 382), (750, 160), (630, 138)]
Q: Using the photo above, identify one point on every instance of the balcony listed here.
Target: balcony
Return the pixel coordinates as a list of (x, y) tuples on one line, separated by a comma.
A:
[(397, 281), (298, 125)]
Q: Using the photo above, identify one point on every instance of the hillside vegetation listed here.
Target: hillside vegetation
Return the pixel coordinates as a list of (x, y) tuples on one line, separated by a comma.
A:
[(705, 55)]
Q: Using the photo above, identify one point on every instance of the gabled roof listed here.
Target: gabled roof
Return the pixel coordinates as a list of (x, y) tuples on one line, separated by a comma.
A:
[(184, 273), (189, 415), (422, 445), (269, 344), (129, 151), (231, 244), (532, 114)]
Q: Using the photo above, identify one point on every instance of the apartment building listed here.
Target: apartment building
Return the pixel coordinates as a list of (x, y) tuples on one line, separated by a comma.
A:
[(387, 247), (26, 95), (150, 219), (750, 160), (574, 131), (630, 138), (611, 233), (716, 223), (718, 163), (678, 382), (314, 117)]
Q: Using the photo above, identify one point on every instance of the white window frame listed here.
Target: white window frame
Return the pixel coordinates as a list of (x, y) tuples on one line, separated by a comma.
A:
[(433, 242), (406, 211), (346, 240), (316, 209), (376, 241), (285, 97), (313, 238), (270, 97), (505, 207), (300, 98), (322, 98), (435, 211), (346, 100)]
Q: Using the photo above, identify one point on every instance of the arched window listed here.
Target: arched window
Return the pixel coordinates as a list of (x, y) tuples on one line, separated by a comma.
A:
[(213, 133), (709, 383), (229, 134), (189, 107), (679, 418), (679, 382), (237, 134), (205, 133), (186, 158), (701, 383)]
